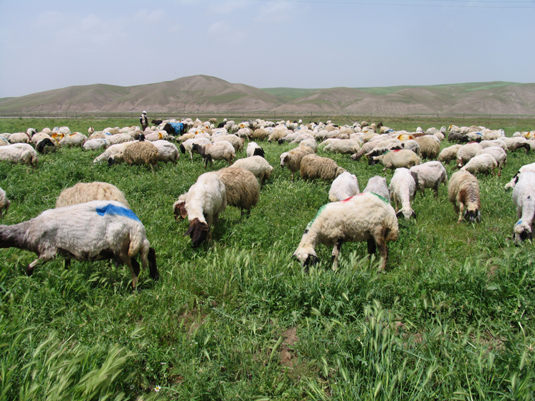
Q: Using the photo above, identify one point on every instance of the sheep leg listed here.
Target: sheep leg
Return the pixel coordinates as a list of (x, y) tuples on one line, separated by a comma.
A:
[(336, 251), (381, 243), (371, 246), (134, 269), (31, 266), (461, 209), (67, 263), (153, 268)]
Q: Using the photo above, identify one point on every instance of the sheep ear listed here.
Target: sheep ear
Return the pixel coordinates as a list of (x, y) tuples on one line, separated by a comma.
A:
[(414, 214), (311, 260), (516, 178), (399, 214)]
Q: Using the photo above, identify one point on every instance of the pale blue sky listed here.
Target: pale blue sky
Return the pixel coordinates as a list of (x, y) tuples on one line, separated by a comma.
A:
[(264, 43)]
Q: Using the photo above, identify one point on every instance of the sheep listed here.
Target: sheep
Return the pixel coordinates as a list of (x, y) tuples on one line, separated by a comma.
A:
[(466, 152), (173, 129), (256, 165), (253, 149), (314, 166), (481, 164), (188, 145), (38, 137), (310, 143), (363, 217), (343, 146), (74, 139), (463, 193), (235, 140), (377, 185), (516, 143), (157, 136), (118, 138), (344, 186), (524, 200), (222, 150), (398, 158), (95, 144), (202, 204), (167, 151), (143, 152), (411, 144), (403, 188), (448, 154), (429, 146), (4, 203), (112, 152), (19, 153), (429, 175), (19, 137), (260, 134), (242, 187), (88, 231), (499, 155), (293, 158), (45, 146), (85, 192), (523, 169)]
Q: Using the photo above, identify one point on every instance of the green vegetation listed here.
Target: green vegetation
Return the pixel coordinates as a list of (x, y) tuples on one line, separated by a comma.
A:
[(452, 317), (288, 94)]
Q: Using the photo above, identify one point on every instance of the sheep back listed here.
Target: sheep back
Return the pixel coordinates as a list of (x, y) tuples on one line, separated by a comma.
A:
[(242, 187), (314, 166), (85, 192), (141, 153)]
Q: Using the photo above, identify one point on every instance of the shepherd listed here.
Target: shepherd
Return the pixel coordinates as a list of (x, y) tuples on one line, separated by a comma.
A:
[(144, 121)]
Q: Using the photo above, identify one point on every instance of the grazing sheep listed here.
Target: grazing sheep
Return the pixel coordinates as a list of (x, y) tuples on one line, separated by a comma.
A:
[(222, 150), (95, 144), (429, 175), (72, 140), (187, 145), (402, 189), (143, 152), (19, 153), (398, 158), (314, 166), (253, 149), (19, 137), (38, 137), (4, 203), (463, 193), (87, 232), (411, 144), (202, 204), (499, 155), (466, 152), (293, 158), (343, 146), (114, 151), (523, 169), (167, 151), (45, 146), (363, 217), (344, 186), (429, 146), (377, 185), (242, 187), (257, 165), (311, 143), (173, 129), (524, 200), (448, 154), (483, 163), (86, 192), (260, 134), (516, 143), (235, 140), (118, 138)]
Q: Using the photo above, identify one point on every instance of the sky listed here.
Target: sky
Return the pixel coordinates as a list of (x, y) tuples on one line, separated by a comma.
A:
[(55, 44)]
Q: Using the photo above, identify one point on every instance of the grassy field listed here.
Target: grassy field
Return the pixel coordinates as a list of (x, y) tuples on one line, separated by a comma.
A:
[(452, 317)]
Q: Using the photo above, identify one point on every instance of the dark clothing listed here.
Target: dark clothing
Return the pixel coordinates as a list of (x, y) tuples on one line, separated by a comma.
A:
[(144, 122)]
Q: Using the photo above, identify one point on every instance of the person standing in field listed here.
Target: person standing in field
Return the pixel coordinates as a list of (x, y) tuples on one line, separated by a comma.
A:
[(144, 121)]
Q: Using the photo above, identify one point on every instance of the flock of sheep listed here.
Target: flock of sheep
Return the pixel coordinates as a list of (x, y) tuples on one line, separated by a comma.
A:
[(93, 221)]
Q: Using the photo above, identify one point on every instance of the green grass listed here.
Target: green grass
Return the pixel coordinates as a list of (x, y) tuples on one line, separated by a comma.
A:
[(452, 317)]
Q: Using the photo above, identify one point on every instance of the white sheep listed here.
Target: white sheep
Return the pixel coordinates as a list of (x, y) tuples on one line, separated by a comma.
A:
[(402, 188), (466, 152), (235, 140), (483, 163), (167, 151), (222, 150), (253, 149), (73, 140), (398, 158), (187, 145), (499, 155), (463, 193), (343, 146), (448, 154), (87, 232), (377, 185), (524, 200), (363, 217), (429, 175), (344, 186), (523, 169), (86, 192), (95, 144), (114, 151), (19, 153), (4, 203), (19, 137), (257, 165)]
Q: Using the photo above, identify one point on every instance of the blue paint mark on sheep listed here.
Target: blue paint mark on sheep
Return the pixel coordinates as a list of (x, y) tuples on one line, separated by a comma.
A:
[(113, 210), (178, 127), (519, 222)]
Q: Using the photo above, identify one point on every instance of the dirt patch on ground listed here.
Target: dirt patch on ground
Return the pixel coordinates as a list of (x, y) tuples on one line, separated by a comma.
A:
[(287, 356)]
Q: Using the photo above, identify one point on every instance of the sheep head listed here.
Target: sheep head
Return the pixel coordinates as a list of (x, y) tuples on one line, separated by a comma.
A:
[(179, 209), (522, 232), (198, 231), (472, 215), (306, 255)]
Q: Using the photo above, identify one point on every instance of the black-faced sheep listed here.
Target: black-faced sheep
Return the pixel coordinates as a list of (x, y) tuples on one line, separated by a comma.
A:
[(463, 193), (253, 149), (87, 232), (314, 166), (45, 146), (86, 192), (363, 217)]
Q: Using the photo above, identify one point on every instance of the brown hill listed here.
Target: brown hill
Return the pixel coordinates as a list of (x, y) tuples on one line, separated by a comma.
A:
[(203, 94)]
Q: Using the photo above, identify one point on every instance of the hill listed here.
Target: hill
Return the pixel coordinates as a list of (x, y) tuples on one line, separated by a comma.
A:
[(203, 94)]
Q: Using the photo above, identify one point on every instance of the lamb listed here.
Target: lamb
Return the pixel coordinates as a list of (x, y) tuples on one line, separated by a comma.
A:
[(429, 175), (143, 152), (403, 188), (314, 166), (235, 140), (429, 146), (242, 187), (253, 149), (88, 231), (377, 185), (167, 151), (398, 158), (523, 169), (19, 153), (524, 200), (363, 217), (202, 204), (293, 158), (72, 140), (481, 164), (86, 192), (463, 192), (343, 146), (4, 203), (187, 145), (256, 165), (222, 150), (499, 155), (344, 186), (466, 152), (448, 154)]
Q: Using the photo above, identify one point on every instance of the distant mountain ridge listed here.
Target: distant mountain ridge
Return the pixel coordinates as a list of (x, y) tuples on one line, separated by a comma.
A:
[(201, 94)]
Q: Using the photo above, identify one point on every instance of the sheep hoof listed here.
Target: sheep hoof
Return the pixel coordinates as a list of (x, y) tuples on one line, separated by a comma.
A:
[(29, 271)]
